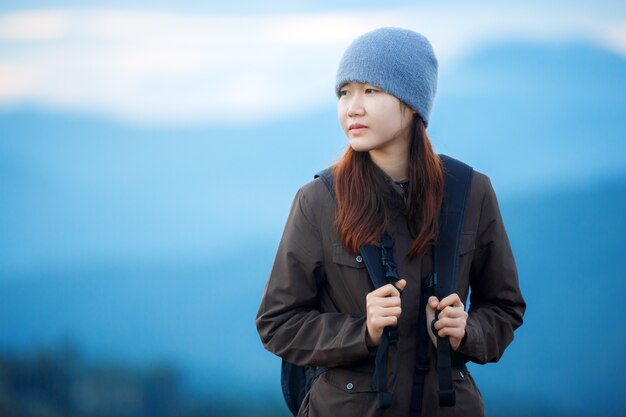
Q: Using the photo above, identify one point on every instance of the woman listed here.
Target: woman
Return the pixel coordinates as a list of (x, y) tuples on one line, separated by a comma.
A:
[(319, 307)]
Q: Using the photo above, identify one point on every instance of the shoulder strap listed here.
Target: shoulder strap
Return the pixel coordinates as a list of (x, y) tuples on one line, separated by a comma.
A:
[(326, 175), (372, 259), (442, 282), (457, 183), (382, 270), (457, 180)]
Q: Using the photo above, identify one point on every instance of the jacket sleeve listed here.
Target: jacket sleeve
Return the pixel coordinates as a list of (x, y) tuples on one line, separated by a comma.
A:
[(496, 303), (289, 320)]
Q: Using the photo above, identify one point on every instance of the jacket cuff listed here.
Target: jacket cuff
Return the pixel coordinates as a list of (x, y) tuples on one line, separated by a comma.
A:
[(472, 341), (371, 350), (363, 349)]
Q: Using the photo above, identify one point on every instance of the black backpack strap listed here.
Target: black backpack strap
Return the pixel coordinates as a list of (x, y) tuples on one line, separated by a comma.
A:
[(372, 259), (382, 270), (326, 175), (457, 184), (458, 181)]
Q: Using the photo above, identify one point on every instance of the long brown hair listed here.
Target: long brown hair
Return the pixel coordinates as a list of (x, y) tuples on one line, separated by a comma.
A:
[(363, 201)]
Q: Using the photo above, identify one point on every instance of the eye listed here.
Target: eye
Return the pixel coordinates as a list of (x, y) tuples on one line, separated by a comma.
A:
[(371, 91), (343, 92)]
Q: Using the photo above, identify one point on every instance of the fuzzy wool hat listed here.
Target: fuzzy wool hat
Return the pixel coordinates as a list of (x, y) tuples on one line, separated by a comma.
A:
[(399, 61)]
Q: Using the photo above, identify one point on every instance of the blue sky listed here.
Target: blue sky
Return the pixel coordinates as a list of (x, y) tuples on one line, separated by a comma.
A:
[(245, 62)]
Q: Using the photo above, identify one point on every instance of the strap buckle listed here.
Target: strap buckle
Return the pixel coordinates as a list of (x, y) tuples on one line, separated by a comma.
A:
[(431, 281)]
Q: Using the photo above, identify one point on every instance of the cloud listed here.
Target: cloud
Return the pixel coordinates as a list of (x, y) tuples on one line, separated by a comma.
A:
[(181, 69), (614, 37), (41, 25)]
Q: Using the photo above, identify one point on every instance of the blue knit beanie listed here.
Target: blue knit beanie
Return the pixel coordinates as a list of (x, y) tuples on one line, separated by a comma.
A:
[(399, 61)]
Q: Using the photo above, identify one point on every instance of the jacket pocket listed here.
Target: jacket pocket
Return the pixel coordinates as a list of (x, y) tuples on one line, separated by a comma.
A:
[(342, 257), (348, 281), (342, 392)]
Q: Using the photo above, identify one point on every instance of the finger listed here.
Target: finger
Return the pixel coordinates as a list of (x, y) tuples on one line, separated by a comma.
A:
[(446, 312), (452, 332), (400, 284), (433, 302), (452, 300), (448, 323), (452, 312), (385, 291), (385, 301), (380, 322), (377, 311), (391, 311)]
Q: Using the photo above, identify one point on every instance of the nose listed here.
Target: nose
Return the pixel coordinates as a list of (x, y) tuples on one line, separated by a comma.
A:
[(355, 106)]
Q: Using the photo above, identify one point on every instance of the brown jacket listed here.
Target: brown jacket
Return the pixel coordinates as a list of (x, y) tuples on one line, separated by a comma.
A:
[(313, 307)]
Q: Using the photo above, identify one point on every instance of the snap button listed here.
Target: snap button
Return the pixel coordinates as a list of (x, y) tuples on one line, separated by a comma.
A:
[(350, 385), (359, 258)]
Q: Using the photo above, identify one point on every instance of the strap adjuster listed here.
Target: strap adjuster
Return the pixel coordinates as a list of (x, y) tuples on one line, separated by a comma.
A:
[(447, 398), (422, 368), (392, 334)]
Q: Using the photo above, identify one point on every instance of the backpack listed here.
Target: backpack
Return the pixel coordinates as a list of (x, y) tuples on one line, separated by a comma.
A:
[(296, 380)]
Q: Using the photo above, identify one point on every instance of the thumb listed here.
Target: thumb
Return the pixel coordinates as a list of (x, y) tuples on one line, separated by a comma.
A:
[(400, 284), (433, 302)]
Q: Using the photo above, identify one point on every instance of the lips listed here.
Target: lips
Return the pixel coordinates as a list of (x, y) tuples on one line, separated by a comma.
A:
[(355, 126)]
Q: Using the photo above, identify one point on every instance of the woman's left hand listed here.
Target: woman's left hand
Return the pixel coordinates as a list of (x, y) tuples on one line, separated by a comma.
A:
[(452, 319)]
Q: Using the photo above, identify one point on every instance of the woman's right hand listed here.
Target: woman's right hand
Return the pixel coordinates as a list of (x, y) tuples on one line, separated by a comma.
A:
[(383, 309)]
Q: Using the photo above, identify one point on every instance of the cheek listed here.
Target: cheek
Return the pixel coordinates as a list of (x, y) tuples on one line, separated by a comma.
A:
[(341, 107), (341, 116), (402, 120)]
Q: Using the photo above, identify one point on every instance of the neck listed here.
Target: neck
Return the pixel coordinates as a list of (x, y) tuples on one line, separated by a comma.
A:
[(394, 162)]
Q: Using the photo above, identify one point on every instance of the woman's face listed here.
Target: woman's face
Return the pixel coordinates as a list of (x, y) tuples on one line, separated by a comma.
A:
[(374, 120)]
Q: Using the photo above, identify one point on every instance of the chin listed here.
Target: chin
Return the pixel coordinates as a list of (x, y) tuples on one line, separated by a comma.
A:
[(360, 147)]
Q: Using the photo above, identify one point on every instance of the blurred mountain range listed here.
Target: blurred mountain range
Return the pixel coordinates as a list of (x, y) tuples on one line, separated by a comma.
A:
[(201, 316), (78, 189), (155, 244)]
